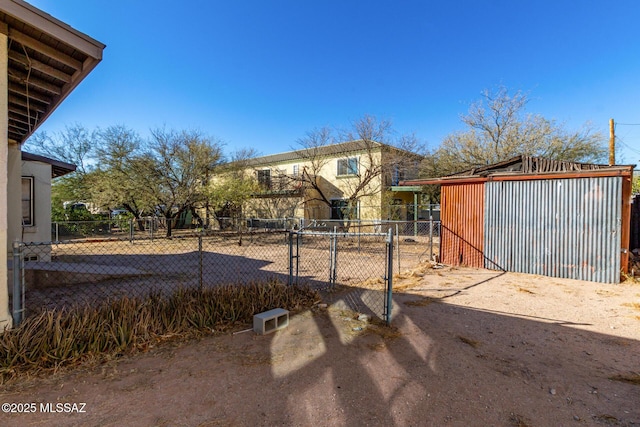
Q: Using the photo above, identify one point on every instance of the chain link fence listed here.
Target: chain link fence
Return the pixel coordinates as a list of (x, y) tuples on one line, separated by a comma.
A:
[(59, 274), (94, 267), (357, 268)]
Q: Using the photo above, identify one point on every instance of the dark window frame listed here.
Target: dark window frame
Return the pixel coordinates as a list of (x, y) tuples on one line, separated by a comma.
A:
[(28, 220)]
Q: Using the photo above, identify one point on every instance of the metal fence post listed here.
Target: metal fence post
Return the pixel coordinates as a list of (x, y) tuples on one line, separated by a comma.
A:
[(397, 237), (389, 273), (430, 238), (333, 257), (57, 232), (131, 230), (200, 260), (293, 271), (291, 258), (18, 295)]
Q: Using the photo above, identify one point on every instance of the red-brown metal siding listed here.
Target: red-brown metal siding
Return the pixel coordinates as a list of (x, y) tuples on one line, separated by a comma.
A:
[(462, 224)]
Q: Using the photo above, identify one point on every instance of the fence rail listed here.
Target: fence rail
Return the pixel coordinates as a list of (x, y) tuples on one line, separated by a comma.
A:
[(150, 227)]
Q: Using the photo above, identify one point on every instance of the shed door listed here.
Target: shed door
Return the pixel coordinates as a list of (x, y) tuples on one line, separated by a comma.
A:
[(462, 219)]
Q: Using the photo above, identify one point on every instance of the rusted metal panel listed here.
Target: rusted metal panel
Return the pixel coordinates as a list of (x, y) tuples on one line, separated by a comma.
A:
[(567, 228), (462, 224)]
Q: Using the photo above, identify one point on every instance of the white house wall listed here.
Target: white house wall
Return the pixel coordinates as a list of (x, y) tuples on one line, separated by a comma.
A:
[(41, 229)]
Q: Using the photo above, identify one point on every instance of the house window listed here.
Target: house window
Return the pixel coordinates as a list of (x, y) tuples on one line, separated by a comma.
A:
[(296, 172), (397, 175), (348, 166), (27, 201), (340, 210), (264, 179)]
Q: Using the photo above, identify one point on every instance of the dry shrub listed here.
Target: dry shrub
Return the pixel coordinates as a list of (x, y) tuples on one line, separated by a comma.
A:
[(518, 421), (634, 305), (631, 378), (65, 337), (421, 302), (469, 341)]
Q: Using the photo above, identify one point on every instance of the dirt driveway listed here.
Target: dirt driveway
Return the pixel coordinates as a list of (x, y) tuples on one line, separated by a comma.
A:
[(469, 347)]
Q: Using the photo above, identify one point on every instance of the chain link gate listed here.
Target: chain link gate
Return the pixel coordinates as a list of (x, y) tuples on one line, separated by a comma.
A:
[(354, 268)]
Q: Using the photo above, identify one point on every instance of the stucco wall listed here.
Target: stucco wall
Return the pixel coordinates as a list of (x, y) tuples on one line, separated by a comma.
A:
[(41, 174), (40, 231), (333, 186), (5, 317)]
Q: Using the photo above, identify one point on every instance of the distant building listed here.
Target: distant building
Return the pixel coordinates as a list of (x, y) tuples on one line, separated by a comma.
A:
[(350, 180)]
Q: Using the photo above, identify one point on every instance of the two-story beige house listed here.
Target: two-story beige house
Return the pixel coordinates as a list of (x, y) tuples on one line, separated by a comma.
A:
[(350, 180)]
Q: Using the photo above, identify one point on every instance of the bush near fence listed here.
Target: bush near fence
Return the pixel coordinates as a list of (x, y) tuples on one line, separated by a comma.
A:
[(62, 337), (89, 270)]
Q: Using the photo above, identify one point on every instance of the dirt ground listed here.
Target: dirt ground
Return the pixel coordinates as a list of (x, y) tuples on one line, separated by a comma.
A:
[(467, 347)]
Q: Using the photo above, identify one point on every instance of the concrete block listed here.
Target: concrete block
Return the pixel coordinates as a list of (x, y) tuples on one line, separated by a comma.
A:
[(269, 321)]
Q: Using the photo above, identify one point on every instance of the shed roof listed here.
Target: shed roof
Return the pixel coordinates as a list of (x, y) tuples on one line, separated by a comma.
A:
[(525, 168), (58, 168)]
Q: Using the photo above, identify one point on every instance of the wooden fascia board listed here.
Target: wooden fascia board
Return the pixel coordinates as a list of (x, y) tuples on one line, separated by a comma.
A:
[(57, 29), (45, 49)]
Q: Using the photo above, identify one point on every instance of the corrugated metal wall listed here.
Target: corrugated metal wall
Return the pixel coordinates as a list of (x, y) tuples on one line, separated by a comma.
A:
[(462, 224), (558, 227)]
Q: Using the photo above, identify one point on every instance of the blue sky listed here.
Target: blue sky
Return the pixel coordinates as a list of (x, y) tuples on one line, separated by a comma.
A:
[(262, 73)]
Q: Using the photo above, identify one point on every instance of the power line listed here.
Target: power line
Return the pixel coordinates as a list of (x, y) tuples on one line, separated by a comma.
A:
[(621, 141)]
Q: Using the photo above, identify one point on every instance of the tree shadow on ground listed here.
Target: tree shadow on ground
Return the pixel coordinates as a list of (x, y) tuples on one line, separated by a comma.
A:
[(440, 364)]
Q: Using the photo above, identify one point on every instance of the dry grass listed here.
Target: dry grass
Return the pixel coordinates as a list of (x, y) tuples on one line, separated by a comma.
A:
[(469, 341), (631, 378), (606, 419), (422, 302), (64, 338), (383, 330), (518, 421), (634, 305)]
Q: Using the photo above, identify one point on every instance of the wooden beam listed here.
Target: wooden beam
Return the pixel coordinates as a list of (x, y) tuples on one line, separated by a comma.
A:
[(44, 48), (22, 118), (22, 77), (37, 65), (32, 104), (17, 130), (21, 91)]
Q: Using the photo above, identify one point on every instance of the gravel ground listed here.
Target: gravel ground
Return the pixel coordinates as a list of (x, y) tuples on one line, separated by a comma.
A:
[(467, 347)]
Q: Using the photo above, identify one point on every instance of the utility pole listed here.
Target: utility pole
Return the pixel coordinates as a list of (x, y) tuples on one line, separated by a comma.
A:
[(612, 144)]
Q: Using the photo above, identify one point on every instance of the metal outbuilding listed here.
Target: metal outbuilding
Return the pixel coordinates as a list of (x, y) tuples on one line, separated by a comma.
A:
[(538, 216)]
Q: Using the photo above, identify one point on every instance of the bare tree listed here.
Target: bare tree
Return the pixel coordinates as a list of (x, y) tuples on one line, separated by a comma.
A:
[(378, 155), (498, 128), (75, 145)]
